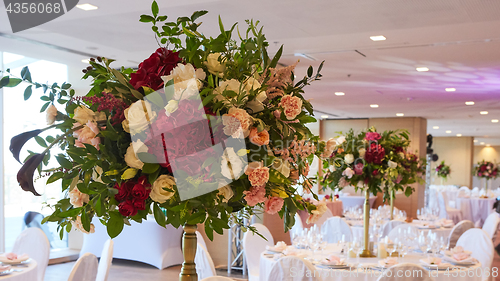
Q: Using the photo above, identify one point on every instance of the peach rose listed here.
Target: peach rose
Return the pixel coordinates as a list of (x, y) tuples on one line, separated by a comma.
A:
[(273, 205), (87, 135), (257, 174), (257, 138), (76, 198), (292, 106), (236, 121), (78, 225), (256, 195), (51, 114)]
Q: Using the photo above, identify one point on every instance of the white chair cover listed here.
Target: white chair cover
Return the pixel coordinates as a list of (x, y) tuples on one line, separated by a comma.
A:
[(397, 231), (388, 226), (253, 246), (328, 214), (297, 227), (464, 192), (85, 268), (218, 278), (491, 225), (105, 261), (446, 212), (333, 229), (457, 231), (291, 268), (200, 239), (479, 243), (204, 263), (474, 192), (418, 273), (33, 242)]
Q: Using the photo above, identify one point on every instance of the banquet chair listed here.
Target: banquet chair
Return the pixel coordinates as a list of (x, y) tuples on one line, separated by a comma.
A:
[(328, 214), (297, 227), (457, 231), (253, 246), (445, 211), (204, 264), (418, 273), (217, 278), (397, 231), (200, 239), (474, 192), (292, 268), (34, 219), (33, 242), (85, 268), (388, 226), (491, 225), (479, 243), (333, 229), (105, 261)]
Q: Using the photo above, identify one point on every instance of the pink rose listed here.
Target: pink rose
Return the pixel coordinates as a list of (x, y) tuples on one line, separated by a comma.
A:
[(256, 195), (236, 121), (273, 205), (87, 135), (461, 256), (292, 106), (372, 136), (257, 174), (348, 173), (259, 138), (358, 169), (332, 260), (77, 199)]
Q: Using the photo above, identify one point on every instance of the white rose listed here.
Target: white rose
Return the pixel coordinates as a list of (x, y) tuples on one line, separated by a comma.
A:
[(228, 85), (401, 154), (256, 105), (251, 84), (51, 114), (160, 195), (76, 198), (392, 164), (97, 173), (139, 115), (349, 158), (340, 140), (227, 192), (186, 83), (232, 167), (348, 173), (131, 154), (171, 107), (215, 66), (362, 152)]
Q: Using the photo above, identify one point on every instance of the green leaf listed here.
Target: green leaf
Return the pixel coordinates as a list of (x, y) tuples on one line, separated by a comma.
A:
[(65, 86), (99, 206), (4, 81), (310, 71), (209, 230), (155, 9), (70, 213), (85, 221), (40, 141), (198, 14), (208, 98), (65, 163), (146, 18), (159, 215), (54, 177), (276, 58), (44, 107), (196, 218), (13, 82), (115, 224), (150, 168), (25, 74), (27, 92)]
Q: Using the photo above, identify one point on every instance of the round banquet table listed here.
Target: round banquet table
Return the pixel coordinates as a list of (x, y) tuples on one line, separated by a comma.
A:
[(357, 230), (28, 273), (336, 207), (475, 209), (353, 274), (355, 201)]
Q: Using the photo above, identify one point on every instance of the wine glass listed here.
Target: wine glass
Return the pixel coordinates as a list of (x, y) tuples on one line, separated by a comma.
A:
[(403, 250), (355, 247)]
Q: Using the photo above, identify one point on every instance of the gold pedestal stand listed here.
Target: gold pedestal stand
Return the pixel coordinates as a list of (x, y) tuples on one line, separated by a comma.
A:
[(188, 271), (366, 249)]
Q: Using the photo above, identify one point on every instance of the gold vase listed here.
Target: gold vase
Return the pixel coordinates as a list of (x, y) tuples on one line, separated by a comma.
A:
[(366, 227), (188, 271), (392, 195)]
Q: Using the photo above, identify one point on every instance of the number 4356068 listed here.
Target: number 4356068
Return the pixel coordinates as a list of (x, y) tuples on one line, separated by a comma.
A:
[(34, 8)]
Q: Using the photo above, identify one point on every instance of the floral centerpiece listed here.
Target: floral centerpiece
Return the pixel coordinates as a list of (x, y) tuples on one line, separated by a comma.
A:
[(485, 171), (203, 128), (374, 163), (443, 170)]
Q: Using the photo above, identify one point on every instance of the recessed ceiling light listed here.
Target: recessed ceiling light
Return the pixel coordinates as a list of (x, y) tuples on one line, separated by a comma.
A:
[(481, 143), (378, 38), (488, 145), (339, 93), (450, 89), (448, 132), (494, 120), (86, 7), (400, 114), (373, 105), (483, 112), (459, 135), (435, 127), (422, 69), (475, 140), (469, 103), (324, 116), (86, 61)]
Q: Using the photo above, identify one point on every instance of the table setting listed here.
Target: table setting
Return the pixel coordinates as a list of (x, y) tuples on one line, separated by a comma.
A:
[(15, 267), (342, 261)]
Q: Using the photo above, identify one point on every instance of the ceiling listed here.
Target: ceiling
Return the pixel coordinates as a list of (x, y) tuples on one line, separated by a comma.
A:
[(458, 40)]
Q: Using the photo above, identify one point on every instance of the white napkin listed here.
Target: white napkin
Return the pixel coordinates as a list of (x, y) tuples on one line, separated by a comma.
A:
[(452, 259), (13, 258), (333, 260), (279, 247), (5, 267)]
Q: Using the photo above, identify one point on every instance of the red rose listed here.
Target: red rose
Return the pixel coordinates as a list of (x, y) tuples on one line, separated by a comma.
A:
[(358, 168), (127, 208), (400, 149), (375, 172), (375, 154), (139, 204), (144, 181), (150, 71), (482, 168), (123, 190), (139, 192), (372, 136)]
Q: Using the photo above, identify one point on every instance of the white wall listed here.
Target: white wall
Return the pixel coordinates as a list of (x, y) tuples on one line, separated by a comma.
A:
[(488, 153)]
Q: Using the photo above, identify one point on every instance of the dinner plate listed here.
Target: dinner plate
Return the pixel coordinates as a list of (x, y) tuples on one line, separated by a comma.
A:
[(272, 251), (16, 262), (465, 263), (331, 266), (6, 272), (450, 253), (442, 266)]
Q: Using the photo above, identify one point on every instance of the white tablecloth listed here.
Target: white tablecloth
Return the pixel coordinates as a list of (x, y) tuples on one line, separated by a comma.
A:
[(27, 274), (145, 242), (475, 209), (357, 230), (360, 275), (355, 201)]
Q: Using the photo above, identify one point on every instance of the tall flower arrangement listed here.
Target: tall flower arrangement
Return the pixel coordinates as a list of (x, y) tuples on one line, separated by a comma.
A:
[(486, 170), (203, 128), (443, 170), (372, 161)]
